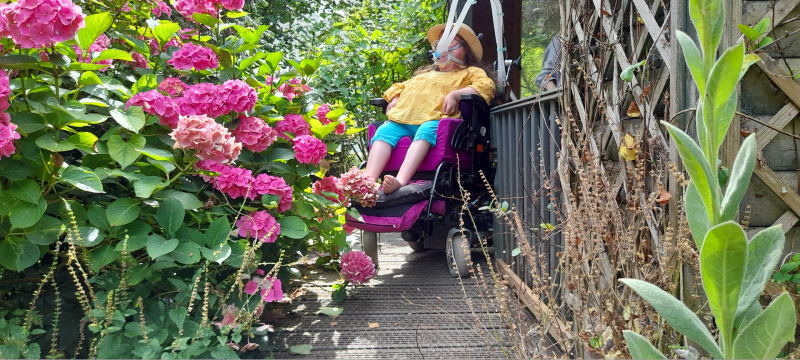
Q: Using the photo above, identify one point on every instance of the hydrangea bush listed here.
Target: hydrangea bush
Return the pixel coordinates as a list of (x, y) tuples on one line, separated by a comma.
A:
[(159, 182)]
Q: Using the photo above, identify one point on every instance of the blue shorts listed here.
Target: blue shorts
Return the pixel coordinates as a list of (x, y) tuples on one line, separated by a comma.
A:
[(391, 132)]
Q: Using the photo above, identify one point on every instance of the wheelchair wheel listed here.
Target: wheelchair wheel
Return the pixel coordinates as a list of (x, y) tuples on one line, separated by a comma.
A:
[(417, 246), (459, 257)]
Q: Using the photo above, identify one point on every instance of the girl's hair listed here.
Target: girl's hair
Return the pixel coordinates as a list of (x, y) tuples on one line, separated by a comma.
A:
[(469, 60)]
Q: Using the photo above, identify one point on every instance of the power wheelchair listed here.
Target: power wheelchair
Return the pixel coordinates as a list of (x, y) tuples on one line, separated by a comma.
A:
[(429, 210)]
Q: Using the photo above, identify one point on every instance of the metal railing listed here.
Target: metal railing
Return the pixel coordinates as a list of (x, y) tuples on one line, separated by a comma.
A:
[(526, 138)]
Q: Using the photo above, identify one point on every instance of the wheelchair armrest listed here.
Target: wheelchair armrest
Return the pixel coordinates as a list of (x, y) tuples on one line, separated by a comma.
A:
[(471, 97), (379, 102)]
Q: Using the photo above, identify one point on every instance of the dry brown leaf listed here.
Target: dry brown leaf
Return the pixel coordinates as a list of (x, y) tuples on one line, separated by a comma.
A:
[(627, 150), (745, 133), (606, 13), (633, 110), (325, 165), (334, 323), (58, 160), (665, 197), (373, 325), (397, 323), (248, 347)]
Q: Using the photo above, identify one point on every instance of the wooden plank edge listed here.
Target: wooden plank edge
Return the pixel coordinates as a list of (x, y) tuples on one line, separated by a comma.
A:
[(789, 196), (534, 304), (785, 115)]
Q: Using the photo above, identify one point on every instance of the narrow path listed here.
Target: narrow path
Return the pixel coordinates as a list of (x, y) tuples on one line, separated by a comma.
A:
[(421, 311)]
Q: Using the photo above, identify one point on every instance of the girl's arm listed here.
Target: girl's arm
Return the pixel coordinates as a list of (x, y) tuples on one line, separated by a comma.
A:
[(450, 103), (392, 103)]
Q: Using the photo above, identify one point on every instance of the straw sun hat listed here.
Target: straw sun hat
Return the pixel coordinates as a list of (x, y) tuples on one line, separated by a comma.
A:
[(465, 32)]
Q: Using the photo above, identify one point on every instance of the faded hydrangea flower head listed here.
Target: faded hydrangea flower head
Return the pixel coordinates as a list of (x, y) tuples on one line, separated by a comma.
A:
[(211, 140), (358, 186)]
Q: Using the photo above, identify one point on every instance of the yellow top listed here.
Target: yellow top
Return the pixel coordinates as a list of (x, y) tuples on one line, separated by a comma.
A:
[(421, 96)]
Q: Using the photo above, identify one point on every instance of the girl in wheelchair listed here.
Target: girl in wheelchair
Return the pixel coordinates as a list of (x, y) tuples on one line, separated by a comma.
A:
[(416, 105)]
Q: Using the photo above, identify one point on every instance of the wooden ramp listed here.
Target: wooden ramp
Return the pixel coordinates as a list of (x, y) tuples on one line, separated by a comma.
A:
[(421, 312)]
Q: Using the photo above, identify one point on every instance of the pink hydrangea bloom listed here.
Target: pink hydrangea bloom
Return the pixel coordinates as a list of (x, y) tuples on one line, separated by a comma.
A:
[(192, 56), (294, 124), (172, 86), (275, 293), (155, 103), (240, 97), (255, 134), (235, 181), (231, 4), (329, 184), (187, 33), (270, 288), (210, 140), (357, 267), (189, 7), (4, 30), (126, 7), (228, 317), (293, 89), (260, 225), (322, 111), (273, 185), (34, 24), (161, 8), (8, 133), (173, 42), (309, 150), (139, 61), (209, 165), (5, 90), (358, 186), (251, 287), (202, 99), (340, 129), (102, 43)]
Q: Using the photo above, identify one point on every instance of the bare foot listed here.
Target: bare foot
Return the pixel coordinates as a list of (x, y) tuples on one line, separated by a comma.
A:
[(390, 184)]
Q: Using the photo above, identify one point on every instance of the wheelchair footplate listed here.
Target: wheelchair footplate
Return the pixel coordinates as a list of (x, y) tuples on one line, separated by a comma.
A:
[(397, 211)]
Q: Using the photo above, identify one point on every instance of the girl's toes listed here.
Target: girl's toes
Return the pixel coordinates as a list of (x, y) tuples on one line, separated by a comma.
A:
[(390, 184)]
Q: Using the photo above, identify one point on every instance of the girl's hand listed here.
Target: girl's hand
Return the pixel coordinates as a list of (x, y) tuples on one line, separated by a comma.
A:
[(392, 104), (450, 103)]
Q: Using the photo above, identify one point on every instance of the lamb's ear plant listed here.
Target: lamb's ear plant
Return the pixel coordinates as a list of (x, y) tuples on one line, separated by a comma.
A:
[(734, 270)]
